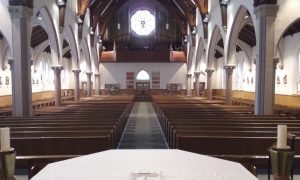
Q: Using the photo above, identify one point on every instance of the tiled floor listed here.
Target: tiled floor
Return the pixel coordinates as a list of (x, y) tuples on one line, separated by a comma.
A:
[(143, 130)]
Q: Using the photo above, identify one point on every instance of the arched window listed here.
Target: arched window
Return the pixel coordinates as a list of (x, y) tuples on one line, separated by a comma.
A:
[(143, 76)]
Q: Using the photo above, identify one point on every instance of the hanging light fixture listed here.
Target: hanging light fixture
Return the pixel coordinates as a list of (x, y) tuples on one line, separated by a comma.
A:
[(39, 16), (185, 40), (92, 31), (78, 19), (60, 2), (206, 19), (100, 40), (194, 31), (118, 25), (167, 24)]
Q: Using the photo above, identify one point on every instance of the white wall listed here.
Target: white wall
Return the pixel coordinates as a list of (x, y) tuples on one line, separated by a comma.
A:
[(4, 88), (290, 58), (169, 72)]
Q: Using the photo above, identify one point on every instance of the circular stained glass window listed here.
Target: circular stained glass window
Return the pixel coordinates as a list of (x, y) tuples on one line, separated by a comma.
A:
[(142, 22)]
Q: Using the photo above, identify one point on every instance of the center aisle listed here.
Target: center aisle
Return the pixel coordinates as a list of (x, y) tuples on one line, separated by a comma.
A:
[(143, 130)]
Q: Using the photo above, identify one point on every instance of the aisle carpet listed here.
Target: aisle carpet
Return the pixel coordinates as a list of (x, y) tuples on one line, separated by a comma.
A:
[(143, 130)]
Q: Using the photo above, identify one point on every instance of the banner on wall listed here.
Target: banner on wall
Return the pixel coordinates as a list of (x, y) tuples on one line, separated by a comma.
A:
[(129, 80), (155, 80)]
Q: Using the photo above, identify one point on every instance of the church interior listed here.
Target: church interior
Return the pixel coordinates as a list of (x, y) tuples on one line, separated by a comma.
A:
[(204, 79)]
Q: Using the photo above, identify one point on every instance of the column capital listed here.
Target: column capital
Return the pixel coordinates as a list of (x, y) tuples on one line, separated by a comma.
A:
[(20, 12), (266, 10), (188, 75), (57, 68), (209, 71), (89, 74), (197, 74), (11, 63), (97, 75), (76, 71), (229, 68)]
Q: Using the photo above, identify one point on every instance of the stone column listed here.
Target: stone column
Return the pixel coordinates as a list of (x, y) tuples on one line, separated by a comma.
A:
[(189, 85), (21, 64), (265, 71), (197, 80), (89, 84), (76, 81), (229, 70), (97, 84), (209, 73), (57, 84)]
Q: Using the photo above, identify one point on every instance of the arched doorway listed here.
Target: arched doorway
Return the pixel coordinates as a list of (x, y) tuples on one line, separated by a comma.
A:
[(142, 85)]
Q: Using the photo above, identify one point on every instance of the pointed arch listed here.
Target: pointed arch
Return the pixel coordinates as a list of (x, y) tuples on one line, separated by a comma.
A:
[(247, 50), (279, 45), (5, 51), (238, 23), (38, 52), (48, 24), (95, 59), (211, 47), (87, 55), (199, 53), (190, 60), (74, 46)]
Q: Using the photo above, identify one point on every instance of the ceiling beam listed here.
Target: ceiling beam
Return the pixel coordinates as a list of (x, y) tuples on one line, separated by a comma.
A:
[(202, 5), (175, 2), (180, 20), (97, 13), (83, 7)]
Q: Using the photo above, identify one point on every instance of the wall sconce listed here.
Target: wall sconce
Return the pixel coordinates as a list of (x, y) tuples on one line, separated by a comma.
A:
[(60, 2), (119, 26), (185, 40), (207, 18), (78, 19)]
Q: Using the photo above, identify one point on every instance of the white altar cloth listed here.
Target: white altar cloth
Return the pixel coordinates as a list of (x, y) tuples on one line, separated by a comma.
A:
[(144, 164)]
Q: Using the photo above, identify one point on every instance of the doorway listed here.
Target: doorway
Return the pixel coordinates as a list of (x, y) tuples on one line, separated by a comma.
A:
[(142, 91)]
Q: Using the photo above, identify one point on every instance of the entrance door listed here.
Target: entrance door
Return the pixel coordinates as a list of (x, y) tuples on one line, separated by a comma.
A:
[(142, 88), (84, 88)]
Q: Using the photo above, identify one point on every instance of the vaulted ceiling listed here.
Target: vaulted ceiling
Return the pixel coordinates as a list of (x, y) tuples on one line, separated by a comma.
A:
[(184, 12), (101, 11)]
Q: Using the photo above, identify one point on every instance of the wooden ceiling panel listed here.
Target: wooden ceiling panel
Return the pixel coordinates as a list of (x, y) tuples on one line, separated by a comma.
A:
[(65, 44), (47, 49), (218, 54), (220, 43), (38, 36), (294, 28), (67, 54), (260, 2), (247, 34)]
